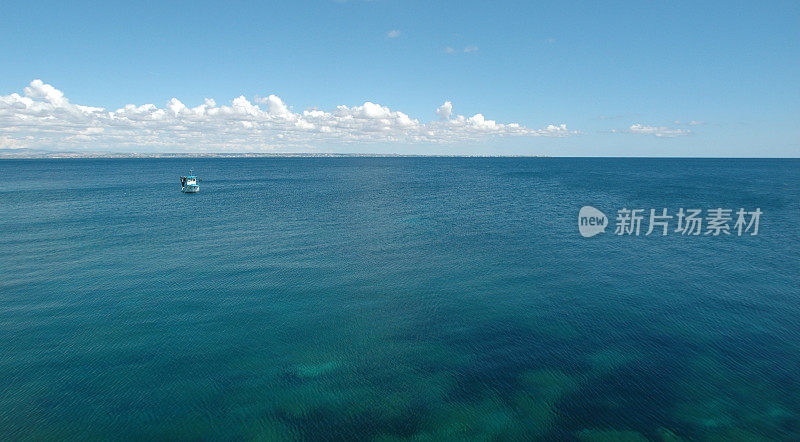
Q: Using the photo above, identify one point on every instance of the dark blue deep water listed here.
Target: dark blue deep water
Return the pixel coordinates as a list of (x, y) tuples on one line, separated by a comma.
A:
[(394, 298)]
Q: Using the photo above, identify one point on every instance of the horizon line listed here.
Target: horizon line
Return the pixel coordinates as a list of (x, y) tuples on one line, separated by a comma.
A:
[(11, 154)]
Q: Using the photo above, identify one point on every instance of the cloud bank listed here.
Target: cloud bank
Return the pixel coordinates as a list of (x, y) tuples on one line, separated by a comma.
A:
[(43, 117), (659, 131)]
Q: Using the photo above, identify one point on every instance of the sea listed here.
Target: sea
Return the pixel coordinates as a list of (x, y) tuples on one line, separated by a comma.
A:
[(398, 298)]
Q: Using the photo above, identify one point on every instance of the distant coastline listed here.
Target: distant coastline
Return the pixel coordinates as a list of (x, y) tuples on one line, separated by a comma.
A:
[(34, 154), (25, 154)]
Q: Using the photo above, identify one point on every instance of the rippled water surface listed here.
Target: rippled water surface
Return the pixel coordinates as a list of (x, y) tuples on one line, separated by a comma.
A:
[(386, 298)]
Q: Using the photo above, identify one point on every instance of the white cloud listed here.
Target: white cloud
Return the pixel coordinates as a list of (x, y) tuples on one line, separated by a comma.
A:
[(275, 106), (690, 123), (44, 118), (7, 142), (445, 110), (659, 131), (394, 33), (466, 50), (46, 92)]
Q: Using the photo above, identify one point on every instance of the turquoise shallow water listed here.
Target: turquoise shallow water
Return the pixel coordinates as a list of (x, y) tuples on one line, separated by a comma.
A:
[(386, 298)]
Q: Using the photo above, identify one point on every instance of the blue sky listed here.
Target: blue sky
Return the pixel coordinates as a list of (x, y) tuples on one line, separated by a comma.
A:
[(660, 78)]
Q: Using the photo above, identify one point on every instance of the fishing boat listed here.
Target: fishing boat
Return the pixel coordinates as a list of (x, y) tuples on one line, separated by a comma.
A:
[(189, 184)]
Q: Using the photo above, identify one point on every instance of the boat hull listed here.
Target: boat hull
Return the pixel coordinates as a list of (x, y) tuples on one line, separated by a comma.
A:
[(190, 189)]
